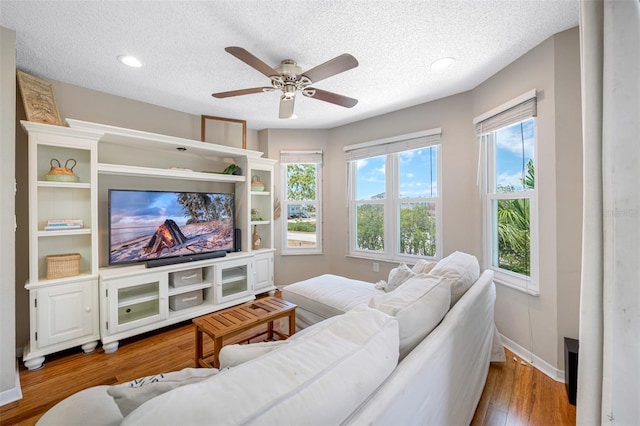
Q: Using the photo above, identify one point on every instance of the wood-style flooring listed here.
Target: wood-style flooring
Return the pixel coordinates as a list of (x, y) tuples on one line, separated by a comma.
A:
[(515, 394)]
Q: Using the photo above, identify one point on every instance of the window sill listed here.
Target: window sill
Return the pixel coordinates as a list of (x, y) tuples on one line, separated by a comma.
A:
[(409, 261), (301, 253), (530, 291)]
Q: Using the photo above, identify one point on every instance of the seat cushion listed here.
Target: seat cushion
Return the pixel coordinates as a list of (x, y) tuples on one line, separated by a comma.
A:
[(328, 295), (319, 378), (419, 305)]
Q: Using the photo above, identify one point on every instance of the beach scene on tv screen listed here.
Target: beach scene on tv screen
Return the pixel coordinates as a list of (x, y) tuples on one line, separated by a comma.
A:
[(146, 225)]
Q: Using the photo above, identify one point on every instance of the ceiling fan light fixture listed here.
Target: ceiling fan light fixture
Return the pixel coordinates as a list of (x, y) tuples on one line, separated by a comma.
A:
[(442, 63), (129, 60)]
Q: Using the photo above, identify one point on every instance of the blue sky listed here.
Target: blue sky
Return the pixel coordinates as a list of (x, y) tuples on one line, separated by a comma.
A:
[(418, 178), (509, 152)]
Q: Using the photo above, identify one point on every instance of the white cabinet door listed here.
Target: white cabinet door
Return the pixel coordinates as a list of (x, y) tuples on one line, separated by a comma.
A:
[(136, 301), (234, 279), (263, 272), (66, 312)]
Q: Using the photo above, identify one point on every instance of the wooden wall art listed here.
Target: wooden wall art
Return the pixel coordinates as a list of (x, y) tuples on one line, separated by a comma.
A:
[(37, 97)]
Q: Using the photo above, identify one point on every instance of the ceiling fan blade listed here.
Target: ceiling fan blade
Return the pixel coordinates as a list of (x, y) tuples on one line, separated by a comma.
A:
[(286, 107), (242, 92), (251, 60), (332, 67), (333, 98)]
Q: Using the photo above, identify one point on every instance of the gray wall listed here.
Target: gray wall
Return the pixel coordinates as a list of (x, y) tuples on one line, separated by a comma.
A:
[(7, 198), (551, 68)]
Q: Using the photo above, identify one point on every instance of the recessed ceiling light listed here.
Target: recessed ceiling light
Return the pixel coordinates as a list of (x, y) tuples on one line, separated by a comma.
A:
[(131, 61), (442, 63)]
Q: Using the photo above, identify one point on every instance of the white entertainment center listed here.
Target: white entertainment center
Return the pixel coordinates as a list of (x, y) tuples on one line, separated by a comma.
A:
[(109, 303)]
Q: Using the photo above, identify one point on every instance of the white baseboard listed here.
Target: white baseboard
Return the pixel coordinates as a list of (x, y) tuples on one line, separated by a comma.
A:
[(13, 394), (537, 362)]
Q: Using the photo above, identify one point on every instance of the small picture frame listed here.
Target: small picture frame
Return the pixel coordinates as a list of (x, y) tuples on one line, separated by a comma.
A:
[(37, 97), (224, 131)]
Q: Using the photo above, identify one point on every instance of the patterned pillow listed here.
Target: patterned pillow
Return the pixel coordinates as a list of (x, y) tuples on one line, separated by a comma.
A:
[(397, 276), (129, 396)]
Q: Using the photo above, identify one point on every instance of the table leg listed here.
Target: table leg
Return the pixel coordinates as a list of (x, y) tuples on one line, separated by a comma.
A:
[(292, 323), (270, 330), (217, 345), (198, 346)]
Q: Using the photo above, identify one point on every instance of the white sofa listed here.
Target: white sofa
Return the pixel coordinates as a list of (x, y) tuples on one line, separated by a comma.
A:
[(342, 370)]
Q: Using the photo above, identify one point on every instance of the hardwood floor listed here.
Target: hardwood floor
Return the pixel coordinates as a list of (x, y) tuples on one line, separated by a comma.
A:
[(514, 394), (517, 393)]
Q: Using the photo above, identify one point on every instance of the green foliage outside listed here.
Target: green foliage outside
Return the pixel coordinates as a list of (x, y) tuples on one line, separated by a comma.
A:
[(370, 227), (299, 226), (514, 237), (301, 182), (417, 229)]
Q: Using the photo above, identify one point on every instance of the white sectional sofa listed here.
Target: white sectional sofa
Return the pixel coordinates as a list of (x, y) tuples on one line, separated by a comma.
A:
[(390, 359)]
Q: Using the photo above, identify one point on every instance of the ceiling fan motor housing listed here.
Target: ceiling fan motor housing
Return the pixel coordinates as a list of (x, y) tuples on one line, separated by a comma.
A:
[(288, 81)]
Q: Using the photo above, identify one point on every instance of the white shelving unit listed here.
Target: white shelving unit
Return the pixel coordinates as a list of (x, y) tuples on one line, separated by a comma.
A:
[(122, 301), (63, 311)]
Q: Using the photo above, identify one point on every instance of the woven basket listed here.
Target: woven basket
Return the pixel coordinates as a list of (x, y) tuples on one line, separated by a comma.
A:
[(63, 265), (61, 174)]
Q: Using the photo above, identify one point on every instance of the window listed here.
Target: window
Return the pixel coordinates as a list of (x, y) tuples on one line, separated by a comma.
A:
[(394, 201), (301, 173), (510, 196)]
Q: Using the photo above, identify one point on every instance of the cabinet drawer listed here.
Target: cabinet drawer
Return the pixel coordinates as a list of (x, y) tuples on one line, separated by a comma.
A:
[(185, 300), (183, 278)]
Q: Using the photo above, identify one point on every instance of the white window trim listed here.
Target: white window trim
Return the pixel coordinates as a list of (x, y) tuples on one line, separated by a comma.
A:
[(391, 234), (302, 157), (531, 284)]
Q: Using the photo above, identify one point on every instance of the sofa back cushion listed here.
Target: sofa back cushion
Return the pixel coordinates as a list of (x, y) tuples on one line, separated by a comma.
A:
[(319, 379), (459, 270), (419, 305)]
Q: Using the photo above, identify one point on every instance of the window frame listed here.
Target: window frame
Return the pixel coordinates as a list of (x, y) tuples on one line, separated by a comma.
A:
[(528, 284), (392, 203), (302, 157)]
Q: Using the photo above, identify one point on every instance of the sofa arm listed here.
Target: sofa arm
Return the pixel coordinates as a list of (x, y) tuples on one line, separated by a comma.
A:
[(93, 403)]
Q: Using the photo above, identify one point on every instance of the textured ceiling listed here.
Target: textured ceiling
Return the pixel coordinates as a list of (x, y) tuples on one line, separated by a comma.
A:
[(181, 44)]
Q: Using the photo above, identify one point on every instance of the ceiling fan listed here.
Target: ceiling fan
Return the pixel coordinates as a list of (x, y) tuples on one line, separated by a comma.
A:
[(289, 78)]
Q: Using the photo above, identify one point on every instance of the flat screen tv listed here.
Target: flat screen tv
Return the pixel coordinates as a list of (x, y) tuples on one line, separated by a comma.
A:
[(150, 225)]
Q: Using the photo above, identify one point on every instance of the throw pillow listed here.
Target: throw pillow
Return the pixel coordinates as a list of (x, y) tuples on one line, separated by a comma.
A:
[(419, 305), (129, 396), (460, 270), (398, 276), (423, 266), (232, 355)]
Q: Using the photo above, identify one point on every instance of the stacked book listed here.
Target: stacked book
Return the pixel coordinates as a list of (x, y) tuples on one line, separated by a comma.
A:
[(63, 224)]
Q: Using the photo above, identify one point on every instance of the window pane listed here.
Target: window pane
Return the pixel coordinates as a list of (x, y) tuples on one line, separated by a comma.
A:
[(301, 182), (418, 229), (370, 227), (418, 173), (512, 234), (370, 178), (514, 146), (301, 226)]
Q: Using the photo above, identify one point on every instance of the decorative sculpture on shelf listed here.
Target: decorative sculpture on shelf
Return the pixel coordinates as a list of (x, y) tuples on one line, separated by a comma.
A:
[(256, 240)]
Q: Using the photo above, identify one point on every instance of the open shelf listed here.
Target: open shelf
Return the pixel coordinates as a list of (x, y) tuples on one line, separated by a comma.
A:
[(173, 291), (138, 171)]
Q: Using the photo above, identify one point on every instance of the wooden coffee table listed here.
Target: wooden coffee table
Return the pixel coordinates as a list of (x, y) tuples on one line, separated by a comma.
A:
[(239, 319)]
